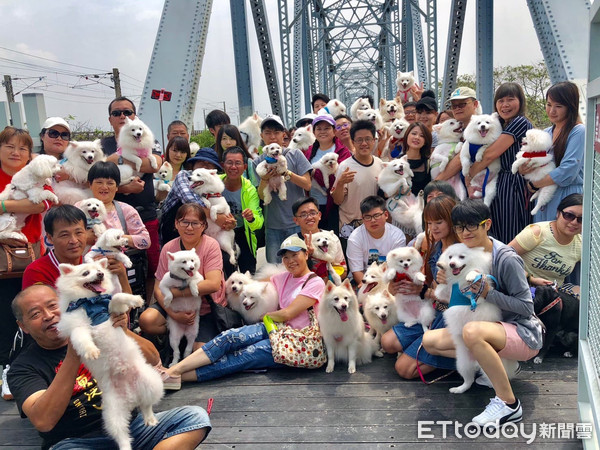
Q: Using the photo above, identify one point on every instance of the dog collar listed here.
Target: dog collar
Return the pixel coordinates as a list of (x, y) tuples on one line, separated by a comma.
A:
[(401, 277), (539, 154), (95, 221), (96, 308), (326, 108), (184, 283), (404, 94), (101, 251), (270, 160), (213, 195)]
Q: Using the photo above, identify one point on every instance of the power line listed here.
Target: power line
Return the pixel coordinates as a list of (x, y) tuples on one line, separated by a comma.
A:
[(51, 60)]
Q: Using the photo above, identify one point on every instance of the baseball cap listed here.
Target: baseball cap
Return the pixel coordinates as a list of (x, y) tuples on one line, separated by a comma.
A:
[(270, 118), (462, 93), (205, 154), (52, 121), (292, 244), (324, 118), (305, 120), (427, 103)]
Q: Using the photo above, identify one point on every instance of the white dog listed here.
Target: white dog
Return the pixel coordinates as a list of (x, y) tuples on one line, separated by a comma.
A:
[(135, 142), (449, 133), (405, 263), (79, 157), (258, 298), (373, 281), (326, 246), (461, 265), (183, 273), (381, 314), (276, 183), (360, 104), (391, 110), (207, 184), (396, 177), (334, 108), (234, 286), (372, 115), (534, 152), (303, 138), (397, 129), (405, 81), (343, 328), (125, 379), (407, 212), (9, 228), (250, 131), (163, 179), (110, 243), (194, 147), (328, 165), (95, 213), (482, 131)]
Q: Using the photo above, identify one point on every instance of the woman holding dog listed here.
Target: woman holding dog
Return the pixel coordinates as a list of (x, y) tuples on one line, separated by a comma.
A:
[(176, 154), (249, 347), (439, 235), (417, 144), (568, 145), (511, 209)]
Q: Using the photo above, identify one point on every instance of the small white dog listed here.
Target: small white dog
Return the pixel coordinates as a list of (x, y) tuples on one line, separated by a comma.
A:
[(326, 245), (163, 179), (303, 138), (234, 285), (250, 131), (482, 131), (343, 328), (9, 229), (110, 243), (535, 153), (461, 265), (209, 186), (407, 212), (79, 157), (396, 177), (372, 115), (274, 158), (449, 133), (258, 298), (391, 110), (405, 81), (183, 273), (194, 147), (135, 142), (380, 313), (397, 129), (334, 107), (328, 165), (360, 104), (95, 213), (125, 379), (373, 281), (405, 263)]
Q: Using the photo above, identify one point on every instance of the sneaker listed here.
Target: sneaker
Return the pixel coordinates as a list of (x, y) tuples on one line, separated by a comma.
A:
[(498, 413), (170, 383), (483, 380), (6, 395)]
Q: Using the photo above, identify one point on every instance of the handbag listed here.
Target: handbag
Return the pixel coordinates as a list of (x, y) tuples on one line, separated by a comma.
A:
[(14, 260), (299, 348)]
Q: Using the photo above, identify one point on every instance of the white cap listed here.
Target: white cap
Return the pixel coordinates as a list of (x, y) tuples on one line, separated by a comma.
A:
[(52, 121), (272, 118)]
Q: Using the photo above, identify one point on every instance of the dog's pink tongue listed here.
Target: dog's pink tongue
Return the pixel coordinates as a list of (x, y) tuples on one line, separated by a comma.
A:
[(98, 288), (94, 214), (384, 321), (343, 316), (483, 133)]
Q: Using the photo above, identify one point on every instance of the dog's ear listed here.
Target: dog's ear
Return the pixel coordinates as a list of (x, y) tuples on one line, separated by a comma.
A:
[(248, 274), (437, 127), (103, 262), (65, 268), (330, 286), (171, 256), (347, 285), (309, 128), (381, 101)]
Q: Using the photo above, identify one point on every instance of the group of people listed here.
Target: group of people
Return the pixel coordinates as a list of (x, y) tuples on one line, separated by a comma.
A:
[(526, 251)]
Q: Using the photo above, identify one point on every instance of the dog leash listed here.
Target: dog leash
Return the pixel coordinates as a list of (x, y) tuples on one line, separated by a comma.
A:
[(209, 405), (441, 377), (475, 296), (556, 301)]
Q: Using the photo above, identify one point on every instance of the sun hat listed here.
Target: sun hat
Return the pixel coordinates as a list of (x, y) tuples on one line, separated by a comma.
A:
[(205, 154), (324, 118), (462, 93), (53, 121), (292, 244)]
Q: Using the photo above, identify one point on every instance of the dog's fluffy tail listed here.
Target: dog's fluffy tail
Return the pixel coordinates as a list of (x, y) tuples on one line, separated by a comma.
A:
[(368, 347), (268, 270)]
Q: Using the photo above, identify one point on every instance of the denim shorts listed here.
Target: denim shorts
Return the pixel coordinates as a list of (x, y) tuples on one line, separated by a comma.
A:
[(170, 423)]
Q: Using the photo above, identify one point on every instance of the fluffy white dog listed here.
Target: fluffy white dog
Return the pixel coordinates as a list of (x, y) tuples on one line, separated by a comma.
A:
[(449, 133), (397, 129), (258, 298), (79, 157), (95, 213), (372, 115), (194, 147), (360, 104), (381, 314), (326, 245), (250, 131), (276, 183), (482, 131), (343, 328), (334, 108), (391, 109), (183, 273), (207, 184), (396, 177), (126, 380), (373, 281), (9, 228), (110, 243), (303, 138), (328, 165), (135, 142), (163, 179), (234, 286), (405, 81), (461, 265), (534, 152), (405, 264)]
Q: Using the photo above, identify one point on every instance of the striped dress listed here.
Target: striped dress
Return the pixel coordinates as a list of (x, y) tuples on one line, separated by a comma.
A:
[(511, 209)]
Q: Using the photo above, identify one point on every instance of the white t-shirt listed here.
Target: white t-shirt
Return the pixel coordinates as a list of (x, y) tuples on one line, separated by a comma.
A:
[(361, 242)]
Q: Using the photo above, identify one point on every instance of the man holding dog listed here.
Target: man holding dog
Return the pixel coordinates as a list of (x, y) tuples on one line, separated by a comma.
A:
[(61, 398)]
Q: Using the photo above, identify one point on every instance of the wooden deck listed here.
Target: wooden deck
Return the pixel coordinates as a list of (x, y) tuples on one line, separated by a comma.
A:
[(372, 408)]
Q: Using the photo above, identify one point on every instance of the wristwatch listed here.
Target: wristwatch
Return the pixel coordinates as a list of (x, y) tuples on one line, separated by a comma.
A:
[(286, 177)]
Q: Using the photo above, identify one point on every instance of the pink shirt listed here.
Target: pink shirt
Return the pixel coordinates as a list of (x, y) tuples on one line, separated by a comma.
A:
[(289, 288), (210, 259)]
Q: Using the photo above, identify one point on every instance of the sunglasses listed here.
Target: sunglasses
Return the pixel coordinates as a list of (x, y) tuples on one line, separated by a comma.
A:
[(570, 217), (52, 133), (119, 112)]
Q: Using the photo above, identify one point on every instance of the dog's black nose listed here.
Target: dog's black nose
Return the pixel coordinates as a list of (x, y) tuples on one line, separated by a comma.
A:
[(100, 275)]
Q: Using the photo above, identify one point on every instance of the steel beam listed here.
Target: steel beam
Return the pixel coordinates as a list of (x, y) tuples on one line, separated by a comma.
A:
[(408, 56), (432, 53), (455, 32), (286, 61), (419, 47), (484, 30), (241, 57)]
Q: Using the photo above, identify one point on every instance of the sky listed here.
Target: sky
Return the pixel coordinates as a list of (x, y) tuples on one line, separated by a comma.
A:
[(94, 37)]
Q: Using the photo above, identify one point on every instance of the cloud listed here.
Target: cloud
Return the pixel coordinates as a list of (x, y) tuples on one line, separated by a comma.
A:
[(22, 47)]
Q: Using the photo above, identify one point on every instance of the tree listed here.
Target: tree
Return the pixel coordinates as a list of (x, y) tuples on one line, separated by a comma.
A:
[(204, 139)]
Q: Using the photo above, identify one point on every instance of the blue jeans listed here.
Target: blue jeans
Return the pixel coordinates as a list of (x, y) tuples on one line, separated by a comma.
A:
[(235, 350), (273, 239), (170, 423)]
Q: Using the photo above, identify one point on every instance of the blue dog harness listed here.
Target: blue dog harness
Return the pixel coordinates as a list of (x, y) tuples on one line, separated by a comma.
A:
[(96, 308), (473, 149), (464, 297)]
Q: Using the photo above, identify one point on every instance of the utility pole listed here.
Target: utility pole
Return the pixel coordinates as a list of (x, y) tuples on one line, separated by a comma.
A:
[(117, 82), (9, 89), (224, 109), (204, 112)]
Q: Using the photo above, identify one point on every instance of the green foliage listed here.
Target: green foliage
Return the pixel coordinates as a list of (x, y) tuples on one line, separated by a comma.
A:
[(203, 139), (83, 131)]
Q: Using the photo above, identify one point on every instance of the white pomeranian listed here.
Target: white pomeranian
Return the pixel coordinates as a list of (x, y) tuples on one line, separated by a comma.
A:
[(396, 177), (326, 246), (126, 380), (183, 273), (361, 103), (449, 133), (405, 263), (274, 158), (380, 313), (135, 142), (95, 213), (372, 115), (163, 179), (250, 131), (397, 129), (110, 243), (234, 286), (372, 282), (334, 108), (327, 165), (343, 328), (303, 138), (79, 157), (258, 298), (405, 81), (391, 109)]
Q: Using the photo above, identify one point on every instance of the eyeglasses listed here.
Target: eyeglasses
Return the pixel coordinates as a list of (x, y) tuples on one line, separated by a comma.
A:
[(409, 112), (342, 126), (233, 163), (119, 112), (570, 217), (461, 105), (52, 133), (368, 140), (369, 218), (306, 215), (469, 227), (186, 224)]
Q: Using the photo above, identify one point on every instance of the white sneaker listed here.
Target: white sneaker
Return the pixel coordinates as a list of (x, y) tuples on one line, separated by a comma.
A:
[(498, 413), (483, 380), (6, 395)]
